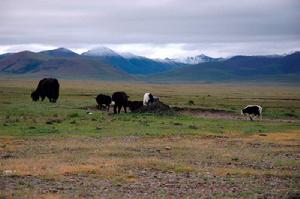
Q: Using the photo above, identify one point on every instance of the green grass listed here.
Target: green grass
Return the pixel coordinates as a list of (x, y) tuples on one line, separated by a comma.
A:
[(19, 116), (43, 118)]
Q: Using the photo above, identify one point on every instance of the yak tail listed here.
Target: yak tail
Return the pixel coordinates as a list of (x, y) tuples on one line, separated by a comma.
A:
[(260, 112)]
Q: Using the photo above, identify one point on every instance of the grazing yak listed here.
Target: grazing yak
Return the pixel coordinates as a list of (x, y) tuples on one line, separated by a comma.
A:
[(47, 87), (252, 110), (135, 105), (103, 101), (120, 99)]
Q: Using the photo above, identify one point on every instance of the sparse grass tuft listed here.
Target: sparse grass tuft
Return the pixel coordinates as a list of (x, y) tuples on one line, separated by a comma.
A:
[(73, 115)]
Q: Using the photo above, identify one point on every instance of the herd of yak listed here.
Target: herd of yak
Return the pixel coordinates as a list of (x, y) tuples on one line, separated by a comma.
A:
[(49, 87)]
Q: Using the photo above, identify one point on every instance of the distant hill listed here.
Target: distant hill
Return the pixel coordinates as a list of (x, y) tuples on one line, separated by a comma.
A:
[(59, 52), (239, 68), (130, 63), (60, 63)]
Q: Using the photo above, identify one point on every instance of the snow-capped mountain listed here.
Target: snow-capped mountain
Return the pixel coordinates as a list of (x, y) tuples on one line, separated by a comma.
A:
[(105, 52), (100, 51), (196, 59), (129, 62)]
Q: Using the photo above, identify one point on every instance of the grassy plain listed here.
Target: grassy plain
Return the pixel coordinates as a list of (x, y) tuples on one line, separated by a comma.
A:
[(59, 151)]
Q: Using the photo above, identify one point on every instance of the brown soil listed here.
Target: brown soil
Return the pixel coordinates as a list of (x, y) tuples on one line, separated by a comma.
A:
[(156, 108), (220, 114), (209, 113)]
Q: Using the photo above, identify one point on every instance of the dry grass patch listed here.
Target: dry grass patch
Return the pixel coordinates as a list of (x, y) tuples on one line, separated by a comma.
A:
[(255, 172), (10, 144), (286, 138), (121, 157), (31, 166)]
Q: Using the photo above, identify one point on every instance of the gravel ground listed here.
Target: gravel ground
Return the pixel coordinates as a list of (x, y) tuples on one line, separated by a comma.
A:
[(152, 184), (150, 181)]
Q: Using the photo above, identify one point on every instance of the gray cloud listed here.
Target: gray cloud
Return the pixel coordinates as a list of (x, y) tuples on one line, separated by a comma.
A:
[(77, 23)]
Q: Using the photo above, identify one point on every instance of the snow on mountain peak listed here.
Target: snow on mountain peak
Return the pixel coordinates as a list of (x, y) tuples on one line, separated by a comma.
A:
[(100, 51), (128, 55), (62, 50), (166, 60), (194, 59)]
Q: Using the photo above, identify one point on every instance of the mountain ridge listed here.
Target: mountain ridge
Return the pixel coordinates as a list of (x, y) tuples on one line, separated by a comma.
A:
[(108, 64), (239, 68), (42, 63), (61, 52)]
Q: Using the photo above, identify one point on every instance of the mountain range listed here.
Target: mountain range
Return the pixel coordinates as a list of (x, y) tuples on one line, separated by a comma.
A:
[(106, 64), (130, 63), (240, 68)]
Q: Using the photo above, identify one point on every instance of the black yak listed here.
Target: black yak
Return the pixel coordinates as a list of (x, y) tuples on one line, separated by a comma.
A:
[(103, 100), (252, 110), (47, 87), (120, 99), (135, 105)]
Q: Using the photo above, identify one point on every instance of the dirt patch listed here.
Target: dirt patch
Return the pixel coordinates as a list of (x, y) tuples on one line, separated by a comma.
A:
[(156, 108), (196, 110), (209, 113), (161, 108), (90, 108), (222, 114)]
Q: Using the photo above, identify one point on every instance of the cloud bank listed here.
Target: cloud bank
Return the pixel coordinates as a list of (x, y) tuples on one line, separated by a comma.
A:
[(163, 28)]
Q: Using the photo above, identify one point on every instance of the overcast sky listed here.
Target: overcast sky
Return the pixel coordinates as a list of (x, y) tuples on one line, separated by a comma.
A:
[(153, 28)]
